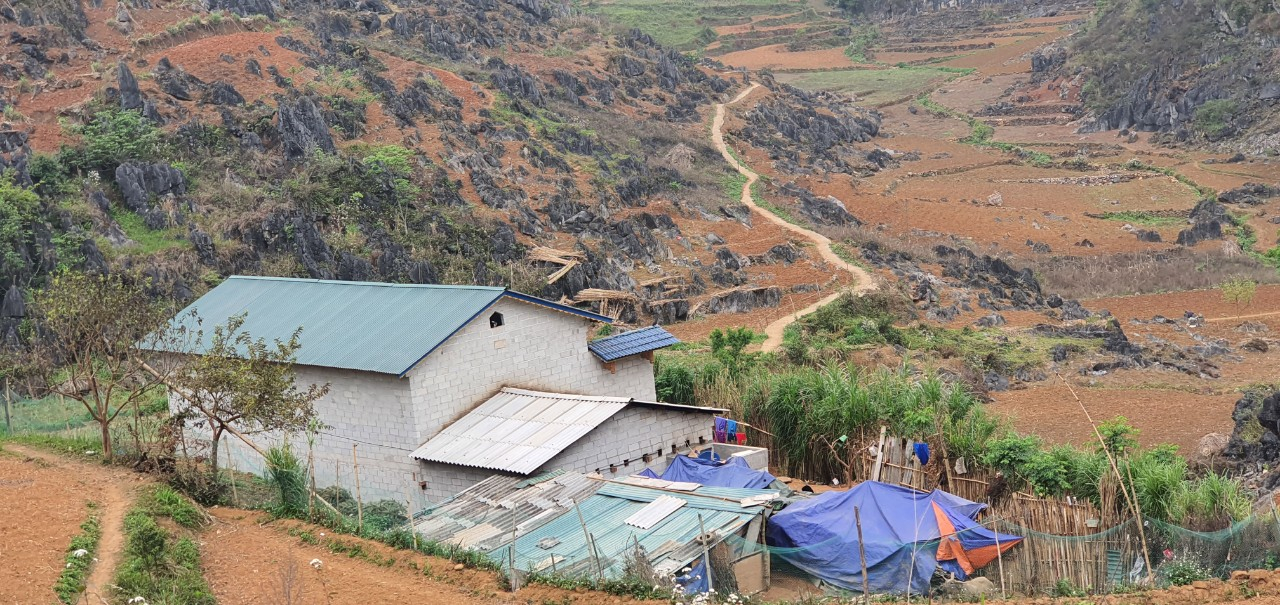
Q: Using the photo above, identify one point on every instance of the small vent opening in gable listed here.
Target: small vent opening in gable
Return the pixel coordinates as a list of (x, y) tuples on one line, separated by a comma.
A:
[(495, 320)]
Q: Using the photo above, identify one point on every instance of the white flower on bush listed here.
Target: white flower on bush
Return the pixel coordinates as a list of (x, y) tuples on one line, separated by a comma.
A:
[(79, 552), (141, 600)]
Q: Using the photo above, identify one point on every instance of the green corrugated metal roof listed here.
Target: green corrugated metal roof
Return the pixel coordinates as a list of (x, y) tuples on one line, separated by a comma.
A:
[(385, 328), (671, 543)]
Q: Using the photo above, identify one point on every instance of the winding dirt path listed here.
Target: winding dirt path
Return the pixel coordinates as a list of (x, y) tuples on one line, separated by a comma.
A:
[(865, 283), (111, 489)]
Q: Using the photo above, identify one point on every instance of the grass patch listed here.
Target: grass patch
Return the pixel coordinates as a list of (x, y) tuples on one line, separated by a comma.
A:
[(731, 185), (1139, 217), (80, 553), (679, 25), (161, 566), (981, 133), (150, 241), (872, 86), (164, 501)]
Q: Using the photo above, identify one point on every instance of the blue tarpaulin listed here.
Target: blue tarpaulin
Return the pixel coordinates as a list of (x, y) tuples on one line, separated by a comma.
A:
[(733, 473), (906, 535)]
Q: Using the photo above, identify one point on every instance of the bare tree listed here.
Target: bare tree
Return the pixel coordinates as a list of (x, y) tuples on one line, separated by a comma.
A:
[(243, 386), (88, 345)]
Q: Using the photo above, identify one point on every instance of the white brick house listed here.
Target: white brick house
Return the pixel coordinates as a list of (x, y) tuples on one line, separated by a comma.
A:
[(404, 362)]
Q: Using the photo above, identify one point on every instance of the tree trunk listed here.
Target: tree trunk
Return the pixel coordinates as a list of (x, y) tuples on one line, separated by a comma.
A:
[(105, 424), (213, 453)]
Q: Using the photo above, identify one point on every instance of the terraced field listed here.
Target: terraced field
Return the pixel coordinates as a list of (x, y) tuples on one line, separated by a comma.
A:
[(990, 158)]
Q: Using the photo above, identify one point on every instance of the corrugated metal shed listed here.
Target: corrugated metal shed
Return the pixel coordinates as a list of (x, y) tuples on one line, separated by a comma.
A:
[(500, 503), (518, 431), (670, 543), (643, 340), (376, 327)]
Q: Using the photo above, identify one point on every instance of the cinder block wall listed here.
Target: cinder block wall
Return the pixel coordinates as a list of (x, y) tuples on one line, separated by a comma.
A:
[(630, 434), (537, 348), (447, 480), (372, 410)]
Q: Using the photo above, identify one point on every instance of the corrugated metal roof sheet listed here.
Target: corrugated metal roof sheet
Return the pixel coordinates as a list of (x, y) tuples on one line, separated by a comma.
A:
[(670, 543), (655, 511), (376, 327), (518, 431), (502, 502), (634, 342)]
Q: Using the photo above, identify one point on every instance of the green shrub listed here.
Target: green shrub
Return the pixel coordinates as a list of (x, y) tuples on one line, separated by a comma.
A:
[(1065, 588), (165, 501), (113, 137), (288, 477), (1213, 118), (158, 568), (1183, 572), (674, 382)]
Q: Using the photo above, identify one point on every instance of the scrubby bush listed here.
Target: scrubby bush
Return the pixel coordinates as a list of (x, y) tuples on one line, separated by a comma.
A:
[(1213, 118), (114, 136)]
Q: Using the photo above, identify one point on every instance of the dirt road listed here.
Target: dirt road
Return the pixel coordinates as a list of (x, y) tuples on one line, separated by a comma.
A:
[(865, 283), (44, 499)]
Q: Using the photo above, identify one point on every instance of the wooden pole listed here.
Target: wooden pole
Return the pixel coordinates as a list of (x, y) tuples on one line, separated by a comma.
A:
[(8, 421), (862, 556), (408, 513), (591, 545), (311, 470), (511, 567), (355, 464), (706, 557), (1131, 498), (875, 469), (231, 461), (999, 560)]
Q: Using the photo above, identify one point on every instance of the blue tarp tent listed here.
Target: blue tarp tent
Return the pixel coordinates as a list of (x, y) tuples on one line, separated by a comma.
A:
[(733, 473), (906, 535)]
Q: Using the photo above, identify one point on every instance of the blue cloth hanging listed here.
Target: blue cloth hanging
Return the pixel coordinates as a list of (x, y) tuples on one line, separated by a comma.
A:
[(922, 452)]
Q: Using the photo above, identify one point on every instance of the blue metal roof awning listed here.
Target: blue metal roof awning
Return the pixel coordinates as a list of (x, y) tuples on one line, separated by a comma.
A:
[(635, 342)]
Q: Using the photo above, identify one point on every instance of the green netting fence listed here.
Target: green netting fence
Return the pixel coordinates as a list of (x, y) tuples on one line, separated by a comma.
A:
[(1105, 560)]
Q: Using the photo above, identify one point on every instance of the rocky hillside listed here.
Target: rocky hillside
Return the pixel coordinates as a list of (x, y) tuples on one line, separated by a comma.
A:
[(507, 142), (1199, 70)]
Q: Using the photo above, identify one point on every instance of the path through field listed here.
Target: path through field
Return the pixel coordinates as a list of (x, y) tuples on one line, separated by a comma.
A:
[(44, 498), (865, 283)]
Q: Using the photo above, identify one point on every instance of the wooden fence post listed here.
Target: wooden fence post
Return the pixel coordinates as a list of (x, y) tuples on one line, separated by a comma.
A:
[(862, 555), (8, 422), (231, 461), (408, 513), (355, 463)]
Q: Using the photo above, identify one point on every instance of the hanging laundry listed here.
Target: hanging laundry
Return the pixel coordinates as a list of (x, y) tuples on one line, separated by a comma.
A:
[(922, 452), (742, 438), (961, 467), (731, 430), (720, 430)]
